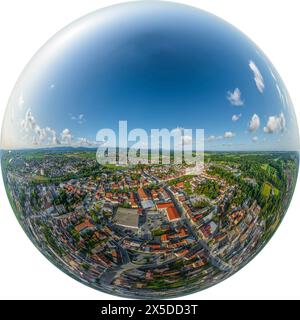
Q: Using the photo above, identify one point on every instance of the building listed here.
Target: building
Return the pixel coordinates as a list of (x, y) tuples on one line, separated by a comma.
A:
[(83, 226), (171, 211), (164, 205), (173, 214), (148, 204), (142, 194)]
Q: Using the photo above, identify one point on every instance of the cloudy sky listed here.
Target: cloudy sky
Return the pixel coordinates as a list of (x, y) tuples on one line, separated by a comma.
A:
[(174, 68)]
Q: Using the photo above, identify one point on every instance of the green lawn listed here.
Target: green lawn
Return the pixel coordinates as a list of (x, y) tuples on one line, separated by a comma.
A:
[(87, 155), (272, 172), (266, 189), (114, 167), (276, 191), (34, 156)]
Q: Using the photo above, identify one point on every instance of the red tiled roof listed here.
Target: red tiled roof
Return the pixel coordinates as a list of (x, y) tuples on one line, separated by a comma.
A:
[(165, 205), (142, 194), (83, 225), (173, 214), (164, 237)]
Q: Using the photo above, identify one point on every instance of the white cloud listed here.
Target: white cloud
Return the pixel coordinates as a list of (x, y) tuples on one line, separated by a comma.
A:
[(258, 78), (84, 142), (40, 134), (280, 94), (211, 138), (254, 123), (186, 140), (275, 124), (28, 122), (235, 97), (36, 134), (178, 131), (29, 125), (66, 136), (52, 136), (272, 74), (255, 139), (236, 117), (144, 145), (214, 138), (79, 118), (229, 134)]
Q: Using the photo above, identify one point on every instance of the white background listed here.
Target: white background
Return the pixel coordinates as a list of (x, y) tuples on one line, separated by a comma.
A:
[(24, 27)]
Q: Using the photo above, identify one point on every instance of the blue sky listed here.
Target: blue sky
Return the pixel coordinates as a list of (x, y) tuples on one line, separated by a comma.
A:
[(156, 65)]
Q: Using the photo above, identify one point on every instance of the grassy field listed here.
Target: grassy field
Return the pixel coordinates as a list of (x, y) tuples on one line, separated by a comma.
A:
[(272, 172), (276, 191), (266, 189), (114, 167), (42, 179), (86, 155), (34, 156)]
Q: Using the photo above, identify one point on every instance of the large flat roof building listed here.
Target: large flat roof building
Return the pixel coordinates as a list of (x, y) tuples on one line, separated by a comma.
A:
[(148, 204)]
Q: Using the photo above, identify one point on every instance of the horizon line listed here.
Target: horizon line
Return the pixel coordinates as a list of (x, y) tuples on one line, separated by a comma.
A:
[(95, 147)]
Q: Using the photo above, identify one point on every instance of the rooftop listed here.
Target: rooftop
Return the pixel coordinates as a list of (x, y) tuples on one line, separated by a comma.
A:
[(173, 214)]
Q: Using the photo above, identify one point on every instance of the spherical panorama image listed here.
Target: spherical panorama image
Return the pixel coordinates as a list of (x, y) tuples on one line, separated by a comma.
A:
[(149, 150)]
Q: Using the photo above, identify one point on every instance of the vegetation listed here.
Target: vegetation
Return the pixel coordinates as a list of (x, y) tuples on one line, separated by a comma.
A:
[(184, 178), (208, 188), (158, 232), (201, 204)]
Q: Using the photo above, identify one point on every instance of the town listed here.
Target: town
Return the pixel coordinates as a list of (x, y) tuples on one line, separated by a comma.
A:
[(149, 230)]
